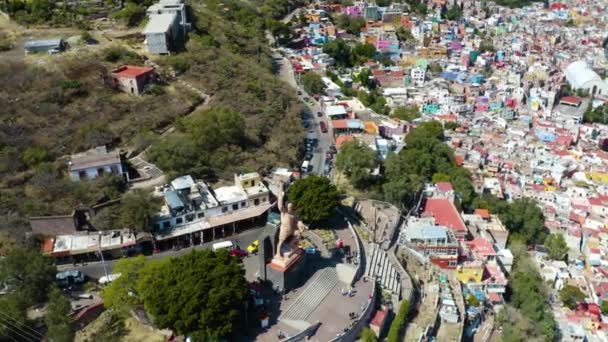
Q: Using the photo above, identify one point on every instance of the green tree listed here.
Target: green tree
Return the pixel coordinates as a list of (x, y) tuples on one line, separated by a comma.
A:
[(340, 51), (404, 34), (528, 294), (312, 83), (604, 307), (453, 13), (356, 160), (137, 209), (314, 198), (525, 221), (395, 332), (362, 53), (407, 113), (34, 155), (28, 273), (352, 25), (571, 295), (120, 295), (472, 300), (216, 127), (14, 306), (367, 335), (557, 248), (202, 294), (487, 45), (57, 317)]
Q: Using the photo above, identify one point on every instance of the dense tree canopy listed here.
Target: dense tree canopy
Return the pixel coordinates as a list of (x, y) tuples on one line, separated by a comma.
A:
[(27, 273), (527, 293), (397, 327), (137, 210), (314, 198), (312, 83), (597, 115), (352, 25), (407, 113), (557, 249), (201, 294), (571, 296), (59, 323), (357, 161)]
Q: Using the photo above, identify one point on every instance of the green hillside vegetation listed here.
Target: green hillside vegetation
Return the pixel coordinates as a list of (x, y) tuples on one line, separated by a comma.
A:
[(55, 109)]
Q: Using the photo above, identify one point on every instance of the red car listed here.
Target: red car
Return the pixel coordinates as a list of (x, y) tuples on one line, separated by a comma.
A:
[(238, 253), (323, 126)]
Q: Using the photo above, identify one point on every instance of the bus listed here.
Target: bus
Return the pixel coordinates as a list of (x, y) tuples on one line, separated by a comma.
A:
[(221, 245)]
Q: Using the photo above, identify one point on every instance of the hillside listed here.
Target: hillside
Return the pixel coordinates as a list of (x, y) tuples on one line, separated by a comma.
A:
[(64, 105)]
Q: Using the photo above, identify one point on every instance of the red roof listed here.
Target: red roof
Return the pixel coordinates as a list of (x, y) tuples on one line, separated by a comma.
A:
[(132, 71), (483, 213), (47, 246), (339, 124), (379, 318), (459, 160), (342, 139), (481, 247), (575, 100), (444, 186), (445, 213)]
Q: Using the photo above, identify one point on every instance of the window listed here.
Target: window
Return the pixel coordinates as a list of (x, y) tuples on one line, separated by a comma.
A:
[(243, 204), (200, 215), (263, 199), (235, 206), (256, 201), (179, 220), (100, 171), (82, 175), (166, 224), (224, 209), (114, 169), (189, 217)]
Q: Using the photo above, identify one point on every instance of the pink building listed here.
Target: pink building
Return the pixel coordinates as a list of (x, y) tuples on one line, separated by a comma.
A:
[(352, 11)]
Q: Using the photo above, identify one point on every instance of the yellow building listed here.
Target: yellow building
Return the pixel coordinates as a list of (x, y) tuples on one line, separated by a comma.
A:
[(371, 127), (598, 177), (470, 273)]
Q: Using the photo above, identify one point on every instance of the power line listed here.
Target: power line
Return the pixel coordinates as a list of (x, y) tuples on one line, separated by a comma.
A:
[(17, 331), (12, 326), (22, 324)]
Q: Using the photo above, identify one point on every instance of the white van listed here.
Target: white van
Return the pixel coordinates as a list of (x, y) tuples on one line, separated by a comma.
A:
[(221, 245), (305, 165)]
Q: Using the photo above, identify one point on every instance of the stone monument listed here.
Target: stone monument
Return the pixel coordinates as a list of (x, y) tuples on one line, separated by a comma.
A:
[(284, 270)]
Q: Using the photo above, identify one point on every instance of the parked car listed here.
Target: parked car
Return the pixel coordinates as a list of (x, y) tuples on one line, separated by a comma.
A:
[(319, 114), (238, 252), (299, 92), (253, 248), (110, 278), (329, 156), (323, 126), (308, 156), (332, 149), (307, 99)]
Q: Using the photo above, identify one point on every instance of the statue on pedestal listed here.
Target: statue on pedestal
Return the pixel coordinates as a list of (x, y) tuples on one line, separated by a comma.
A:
[(289, 226)]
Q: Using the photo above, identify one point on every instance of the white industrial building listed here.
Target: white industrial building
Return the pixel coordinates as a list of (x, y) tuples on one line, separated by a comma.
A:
[(580, 76)]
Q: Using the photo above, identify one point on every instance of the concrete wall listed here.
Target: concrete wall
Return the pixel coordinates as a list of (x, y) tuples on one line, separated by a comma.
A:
[(158, 43)]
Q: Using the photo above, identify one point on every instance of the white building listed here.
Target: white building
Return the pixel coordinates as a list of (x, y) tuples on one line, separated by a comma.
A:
[(167, 26), (418, 74), (94, 163), (580, 76)]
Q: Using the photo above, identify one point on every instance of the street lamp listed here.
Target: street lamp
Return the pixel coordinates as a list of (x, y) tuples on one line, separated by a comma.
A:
[(103, 262)]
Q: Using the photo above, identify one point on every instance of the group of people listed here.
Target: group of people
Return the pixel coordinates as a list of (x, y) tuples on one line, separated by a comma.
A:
[(349, 291)]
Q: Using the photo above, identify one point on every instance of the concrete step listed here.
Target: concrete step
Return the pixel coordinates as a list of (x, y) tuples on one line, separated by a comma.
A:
[(312, 296)]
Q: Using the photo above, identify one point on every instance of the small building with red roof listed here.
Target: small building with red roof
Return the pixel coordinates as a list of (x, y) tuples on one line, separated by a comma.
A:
[(379, 321), (445, 214), (132, 79)]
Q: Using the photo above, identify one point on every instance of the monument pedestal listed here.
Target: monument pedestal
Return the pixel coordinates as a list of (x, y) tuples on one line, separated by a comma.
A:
[(286, 273)]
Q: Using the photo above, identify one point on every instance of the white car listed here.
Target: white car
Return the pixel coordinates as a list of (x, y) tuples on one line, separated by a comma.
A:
[(110, 278)]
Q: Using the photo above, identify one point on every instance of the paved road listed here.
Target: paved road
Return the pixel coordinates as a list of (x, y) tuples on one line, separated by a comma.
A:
[(95, 269)]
